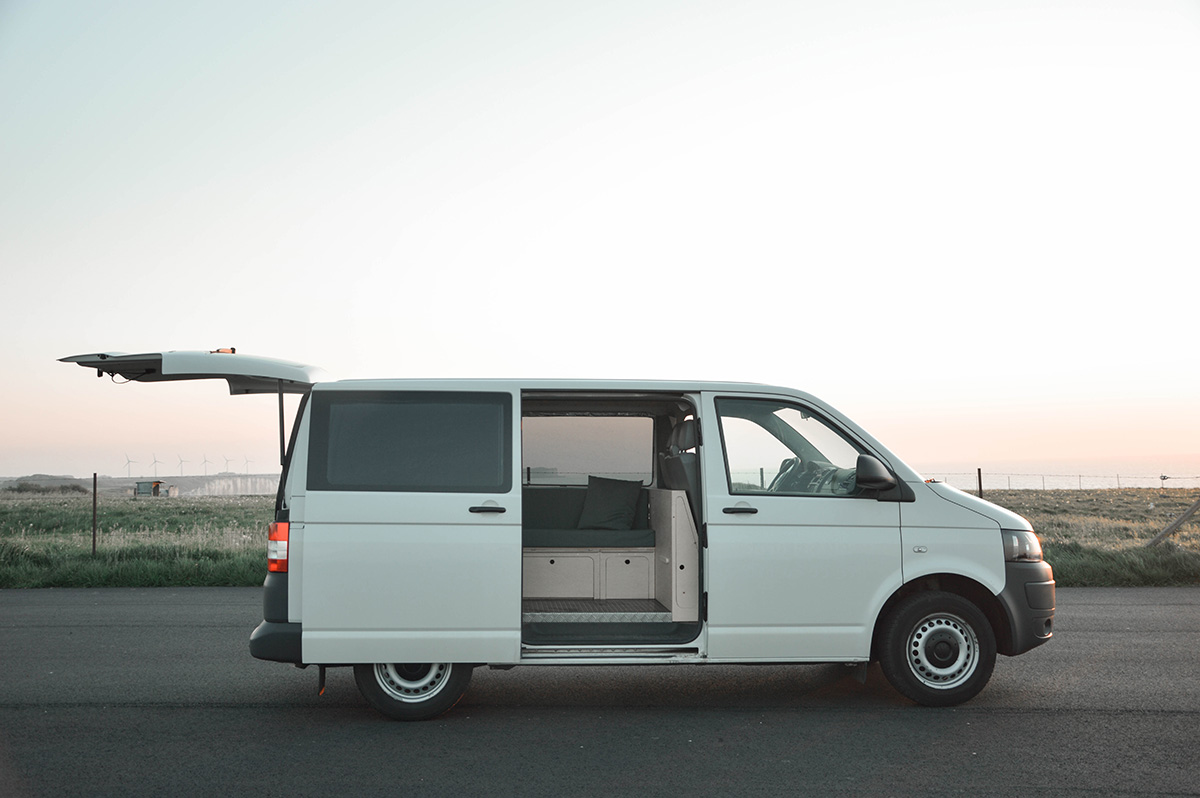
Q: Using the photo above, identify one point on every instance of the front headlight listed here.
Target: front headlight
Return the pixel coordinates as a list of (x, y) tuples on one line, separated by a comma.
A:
[(1021, 545)]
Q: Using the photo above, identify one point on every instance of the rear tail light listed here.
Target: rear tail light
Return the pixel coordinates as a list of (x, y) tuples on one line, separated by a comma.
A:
[(277, 547)]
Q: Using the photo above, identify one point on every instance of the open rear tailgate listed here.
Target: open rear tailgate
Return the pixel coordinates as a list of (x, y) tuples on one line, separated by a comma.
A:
[(245, 374)]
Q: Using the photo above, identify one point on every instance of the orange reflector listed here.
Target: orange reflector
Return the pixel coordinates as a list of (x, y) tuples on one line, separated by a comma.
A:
[(277, 546)]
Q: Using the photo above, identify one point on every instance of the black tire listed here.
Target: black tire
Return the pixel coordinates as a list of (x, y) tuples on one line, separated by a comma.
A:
[(937, 649), (412, 691)]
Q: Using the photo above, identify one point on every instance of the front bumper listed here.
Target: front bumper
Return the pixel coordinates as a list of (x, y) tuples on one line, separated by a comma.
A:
[(1028, 600)]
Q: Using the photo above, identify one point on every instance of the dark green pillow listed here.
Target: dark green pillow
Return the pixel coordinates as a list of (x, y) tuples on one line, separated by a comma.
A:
[(609, 503)]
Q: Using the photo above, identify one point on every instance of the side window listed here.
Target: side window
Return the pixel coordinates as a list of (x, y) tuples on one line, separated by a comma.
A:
[(773, 447), (565, 450), (431, 442)]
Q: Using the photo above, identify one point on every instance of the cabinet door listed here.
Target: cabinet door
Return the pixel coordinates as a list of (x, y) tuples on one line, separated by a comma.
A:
[(628, 576), (558, 576)]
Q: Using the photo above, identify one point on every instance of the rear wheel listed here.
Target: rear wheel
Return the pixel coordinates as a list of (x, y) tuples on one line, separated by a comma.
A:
[(937, 649), (412, 691)]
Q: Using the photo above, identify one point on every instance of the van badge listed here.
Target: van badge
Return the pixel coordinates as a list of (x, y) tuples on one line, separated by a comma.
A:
[(920, 549)]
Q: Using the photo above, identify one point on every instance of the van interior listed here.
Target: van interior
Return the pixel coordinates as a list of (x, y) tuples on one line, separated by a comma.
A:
[(610, 531)]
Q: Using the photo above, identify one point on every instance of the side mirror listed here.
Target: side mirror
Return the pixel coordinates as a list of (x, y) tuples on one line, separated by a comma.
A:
[(870, 474)]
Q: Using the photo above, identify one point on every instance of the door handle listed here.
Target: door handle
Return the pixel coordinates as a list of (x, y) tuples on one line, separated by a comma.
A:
[(740, 510), (486, 508)]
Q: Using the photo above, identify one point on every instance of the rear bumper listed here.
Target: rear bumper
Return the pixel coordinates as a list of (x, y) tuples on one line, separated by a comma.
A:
[(278, 642), (1028, 600), (276, 639)]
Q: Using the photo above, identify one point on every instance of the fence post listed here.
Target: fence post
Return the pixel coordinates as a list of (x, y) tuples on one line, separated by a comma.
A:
[(94, 489), (979, 475), (1178, 522)]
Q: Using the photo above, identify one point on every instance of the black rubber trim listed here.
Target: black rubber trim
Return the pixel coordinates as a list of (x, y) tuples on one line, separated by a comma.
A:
[(275, 597), (903, 492), (1028, 600), (281, 512), (1040, 595), (615, 634), (277, 642)]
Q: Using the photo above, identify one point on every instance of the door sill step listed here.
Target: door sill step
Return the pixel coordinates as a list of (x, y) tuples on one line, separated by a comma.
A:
[(593, 611)]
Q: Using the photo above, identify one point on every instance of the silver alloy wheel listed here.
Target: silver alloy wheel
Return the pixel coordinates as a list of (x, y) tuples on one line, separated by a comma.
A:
[(943, 651), (411, 683)]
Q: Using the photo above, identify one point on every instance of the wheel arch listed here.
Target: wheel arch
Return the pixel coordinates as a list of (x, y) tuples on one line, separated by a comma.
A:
[(974, 592)]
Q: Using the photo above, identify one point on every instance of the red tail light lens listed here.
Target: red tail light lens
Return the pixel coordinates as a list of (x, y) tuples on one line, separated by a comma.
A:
[(277, 547)]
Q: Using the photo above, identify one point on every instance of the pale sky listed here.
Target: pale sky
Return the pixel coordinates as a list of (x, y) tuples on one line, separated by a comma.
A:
[(971, 226)]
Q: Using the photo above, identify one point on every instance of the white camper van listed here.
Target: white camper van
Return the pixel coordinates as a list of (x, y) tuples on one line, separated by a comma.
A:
[(426, 527)]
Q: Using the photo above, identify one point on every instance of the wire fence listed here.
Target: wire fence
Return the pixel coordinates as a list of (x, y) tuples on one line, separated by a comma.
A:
[(1003, 481), (968, 481)]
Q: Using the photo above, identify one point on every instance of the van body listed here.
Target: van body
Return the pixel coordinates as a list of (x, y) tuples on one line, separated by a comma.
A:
[(426, 527)]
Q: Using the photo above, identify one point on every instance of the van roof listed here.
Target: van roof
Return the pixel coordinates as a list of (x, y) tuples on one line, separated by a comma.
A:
[(559, 384)]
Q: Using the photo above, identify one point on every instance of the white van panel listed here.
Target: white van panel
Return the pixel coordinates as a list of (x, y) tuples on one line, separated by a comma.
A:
[(245, 374), (803, 578), (473, 646), (411, 574), (800, 577), (418, 590), (293, 495), (942, 536)]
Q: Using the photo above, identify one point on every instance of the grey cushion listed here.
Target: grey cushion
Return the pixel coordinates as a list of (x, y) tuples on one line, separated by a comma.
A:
[(609, 504)]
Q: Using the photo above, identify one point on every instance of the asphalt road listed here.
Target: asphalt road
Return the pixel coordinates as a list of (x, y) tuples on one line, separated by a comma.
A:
[(153, 692)]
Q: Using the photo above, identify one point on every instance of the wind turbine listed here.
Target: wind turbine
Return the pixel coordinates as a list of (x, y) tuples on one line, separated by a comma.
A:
[(248, 461), (228, 460), (128, 463), (181, 462), (206, 463), (155, 464)]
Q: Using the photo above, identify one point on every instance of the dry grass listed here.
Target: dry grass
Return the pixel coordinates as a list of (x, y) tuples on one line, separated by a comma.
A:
[(1097, 538), (1107, 519), (46, 541), (1091, 537)]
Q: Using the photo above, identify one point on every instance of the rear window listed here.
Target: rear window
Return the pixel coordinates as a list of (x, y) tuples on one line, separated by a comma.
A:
[(429, 442)]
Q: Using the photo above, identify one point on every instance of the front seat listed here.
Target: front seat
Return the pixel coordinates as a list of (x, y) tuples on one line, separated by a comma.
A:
[(681, 463)]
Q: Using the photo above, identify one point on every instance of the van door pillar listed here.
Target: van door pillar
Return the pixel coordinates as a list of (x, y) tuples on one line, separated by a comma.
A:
[(282, 441)]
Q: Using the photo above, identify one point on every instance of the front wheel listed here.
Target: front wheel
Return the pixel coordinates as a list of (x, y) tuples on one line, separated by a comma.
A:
[(937, 649), (412, 691)]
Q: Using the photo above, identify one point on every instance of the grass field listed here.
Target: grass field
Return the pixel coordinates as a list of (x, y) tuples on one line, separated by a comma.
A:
[(1097, 538), (46, 541), (1091, 537)]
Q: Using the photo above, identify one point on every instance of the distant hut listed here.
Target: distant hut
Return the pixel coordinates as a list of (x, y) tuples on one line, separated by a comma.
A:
[(150, 488)]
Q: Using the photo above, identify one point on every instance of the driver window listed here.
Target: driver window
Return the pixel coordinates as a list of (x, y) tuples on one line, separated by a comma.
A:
[(772, 447)]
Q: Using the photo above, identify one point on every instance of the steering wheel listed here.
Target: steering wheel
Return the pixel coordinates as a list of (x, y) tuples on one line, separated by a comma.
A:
[(796, 476), (786, 467), (844, 483), (799, 477), (827, 475)]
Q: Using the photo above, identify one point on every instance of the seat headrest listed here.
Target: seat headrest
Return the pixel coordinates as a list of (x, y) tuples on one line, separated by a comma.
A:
[(683, 437)]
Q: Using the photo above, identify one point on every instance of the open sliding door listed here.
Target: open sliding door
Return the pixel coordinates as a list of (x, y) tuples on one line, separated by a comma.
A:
[(410, 526)]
